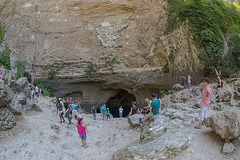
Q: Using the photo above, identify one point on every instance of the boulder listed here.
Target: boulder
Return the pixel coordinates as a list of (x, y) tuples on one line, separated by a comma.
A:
[(7, 119), (171, 143), (155, 129), (22, 83), (173, 98), (218, 107), (226, 96), (30, 105), (178, 87), (133, 120), (226, 124), (228, 148), (6, 94), (17, 102)]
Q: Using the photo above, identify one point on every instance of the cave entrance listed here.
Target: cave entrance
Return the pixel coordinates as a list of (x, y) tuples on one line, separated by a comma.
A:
[(122, 98)]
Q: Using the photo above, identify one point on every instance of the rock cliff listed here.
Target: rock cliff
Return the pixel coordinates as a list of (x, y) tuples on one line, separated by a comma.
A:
[(126, 40)]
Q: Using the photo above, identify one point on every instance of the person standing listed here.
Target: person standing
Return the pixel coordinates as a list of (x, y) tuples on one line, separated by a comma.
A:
[(183, 79), (93, 111), (134, 108), (219, 88), (108, 113), (189, 81), (74, 109), (104, 110), (120, 111), (36, 92), (60, 109), (81, 127), (206, 102)]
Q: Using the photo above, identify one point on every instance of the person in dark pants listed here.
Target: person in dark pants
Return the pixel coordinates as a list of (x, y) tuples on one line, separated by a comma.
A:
[(93, 111), (67, 111)]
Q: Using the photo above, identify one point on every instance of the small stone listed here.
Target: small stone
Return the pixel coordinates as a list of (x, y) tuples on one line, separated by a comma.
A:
[(228, 148), (54, 126)]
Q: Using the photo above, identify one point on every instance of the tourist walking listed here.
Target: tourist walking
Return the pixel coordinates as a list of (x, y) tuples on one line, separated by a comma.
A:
[(68, 111), (60, 110), (81, 127), (206, 102), (134, 108), (36, 92), (93, 111), (74, 109), (108, 113), (120, 111), (78, 106), (104, 110)]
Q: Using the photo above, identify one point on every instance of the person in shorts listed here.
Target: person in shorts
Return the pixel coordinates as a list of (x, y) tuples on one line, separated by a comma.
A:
[(104, 110), (81, 127), (120, 111)]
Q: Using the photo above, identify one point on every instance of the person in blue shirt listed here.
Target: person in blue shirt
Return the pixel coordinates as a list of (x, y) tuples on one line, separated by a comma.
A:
[(103, 109), (74, 110), (155, 105)]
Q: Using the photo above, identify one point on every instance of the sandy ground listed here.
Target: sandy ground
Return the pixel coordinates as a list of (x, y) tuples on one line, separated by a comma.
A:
[(33, 138)]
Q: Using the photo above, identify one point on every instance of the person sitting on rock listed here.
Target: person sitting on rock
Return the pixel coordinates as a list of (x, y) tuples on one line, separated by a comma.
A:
[(146, 110), (206, 102)]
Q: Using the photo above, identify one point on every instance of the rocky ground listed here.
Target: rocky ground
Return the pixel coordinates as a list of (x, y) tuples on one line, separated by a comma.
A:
[(39, 135)]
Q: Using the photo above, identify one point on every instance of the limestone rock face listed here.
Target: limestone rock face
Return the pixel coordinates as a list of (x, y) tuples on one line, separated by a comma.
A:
[(6, 94), (226, 124), (161, 148), (133, 120), (22, 83)]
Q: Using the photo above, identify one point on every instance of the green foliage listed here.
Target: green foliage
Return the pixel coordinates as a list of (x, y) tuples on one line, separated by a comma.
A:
[(162, 93), (20, 65), (40, 84), (52, 74), (17, 75), (210, 22), (84, 111), (166, 68), (110, 62), (5, 57), (28, 75), (2, 34), (15, 87), (91, 68)]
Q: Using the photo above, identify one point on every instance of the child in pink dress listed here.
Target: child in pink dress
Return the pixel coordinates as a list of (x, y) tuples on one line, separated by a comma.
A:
[(82, 130)]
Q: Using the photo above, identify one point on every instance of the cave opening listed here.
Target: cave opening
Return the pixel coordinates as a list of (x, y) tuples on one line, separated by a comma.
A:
[(122, 98)]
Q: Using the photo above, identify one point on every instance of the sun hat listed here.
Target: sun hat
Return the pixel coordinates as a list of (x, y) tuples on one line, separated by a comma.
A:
[(79, 117)]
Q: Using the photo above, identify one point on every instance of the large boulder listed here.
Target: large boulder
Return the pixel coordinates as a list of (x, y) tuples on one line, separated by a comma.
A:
[(17, 102), (6, 94), (155, 129), (165, 146), (22, 83), (7, 119), (133, 120), (30, 105), (226, 124)]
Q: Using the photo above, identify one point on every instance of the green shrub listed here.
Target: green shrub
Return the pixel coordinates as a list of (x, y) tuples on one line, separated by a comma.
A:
[(17, 75), (20, 65), (52, 74), (163, 93), (15, 87), (84, 111), (40, 84), (166, 68), (28, 75), (91, 68), (5, 57), (210, 23), (2, 34)]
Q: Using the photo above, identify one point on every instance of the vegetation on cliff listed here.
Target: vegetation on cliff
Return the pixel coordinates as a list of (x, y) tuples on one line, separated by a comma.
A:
[(215, 27)]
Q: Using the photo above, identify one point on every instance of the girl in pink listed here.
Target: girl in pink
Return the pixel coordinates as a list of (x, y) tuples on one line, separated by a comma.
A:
[(82, 130), (205, 100)]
